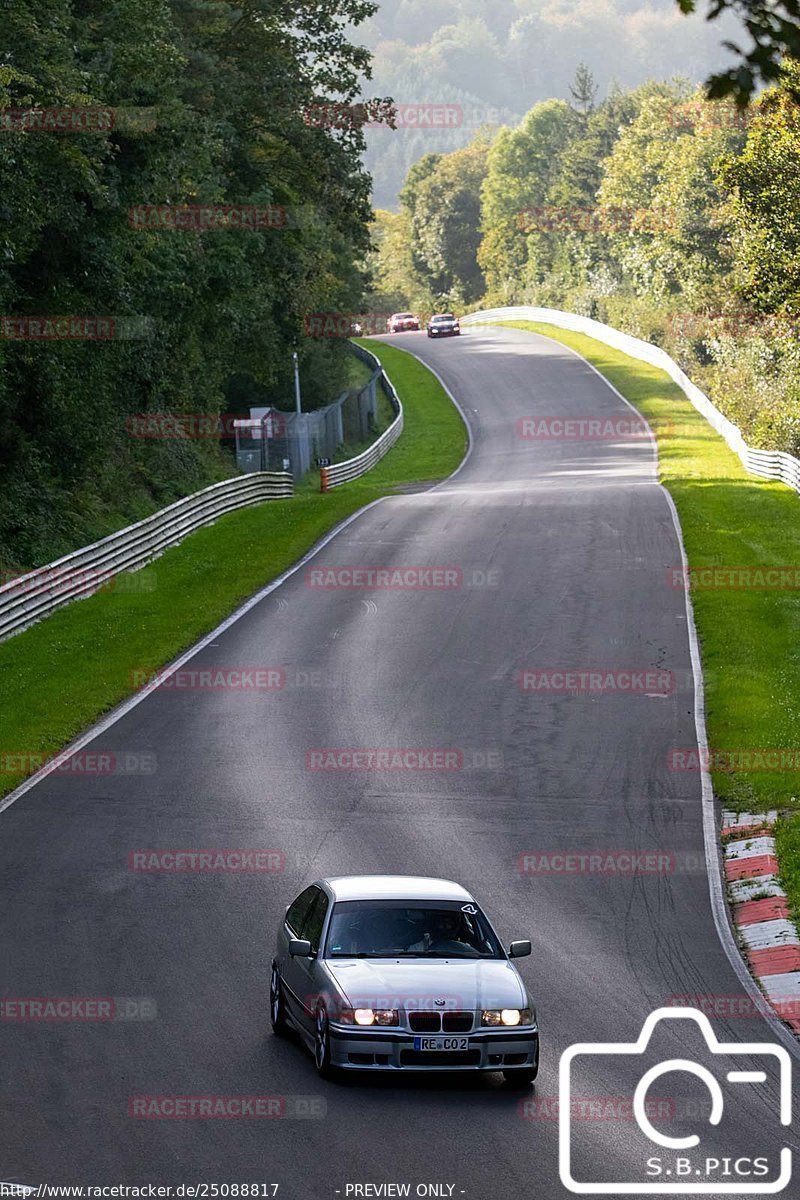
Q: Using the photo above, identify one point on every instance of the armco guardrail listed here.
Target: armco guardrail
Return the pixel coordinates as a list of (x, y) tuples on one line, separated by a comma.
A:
[(30, 597), (768, 464), (330, 477)]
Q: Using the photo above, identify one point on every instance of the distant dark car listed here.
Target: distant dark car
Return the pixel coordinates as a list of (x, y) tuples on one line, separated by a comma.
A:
[(402, 323), (444, 325)]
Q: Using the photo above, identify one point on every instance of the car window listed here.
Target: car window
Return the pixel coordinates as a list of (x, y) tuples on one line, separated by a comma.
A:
[(400, 929), (299, 908), (312, 926)]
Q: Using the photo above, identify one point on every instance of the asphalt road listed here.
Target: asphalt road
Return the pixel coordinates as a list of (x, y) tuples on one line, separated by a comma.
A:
[(562, 549)]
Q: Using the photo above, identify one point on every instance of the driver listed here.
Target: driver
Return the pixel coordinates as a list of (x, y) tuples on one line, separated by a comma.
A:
[(444, 925)]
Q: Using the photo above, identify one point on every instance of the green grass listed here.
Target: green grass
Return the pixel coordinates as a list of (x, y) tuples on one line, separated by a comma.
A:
[(749, 639), (359, 373), (787, 843), (70, 669)]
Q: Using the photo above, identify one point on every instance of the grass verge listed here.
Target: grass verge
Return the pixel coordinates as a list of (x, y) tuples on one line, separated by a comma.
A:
[(71, 668), (748, 637)]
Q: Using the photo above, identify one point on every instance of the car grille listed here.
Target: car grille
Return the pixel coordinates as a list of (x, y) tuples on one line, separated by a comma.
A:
[(456, 1022), (440, 1058), (434, 1022), (425, 1022)]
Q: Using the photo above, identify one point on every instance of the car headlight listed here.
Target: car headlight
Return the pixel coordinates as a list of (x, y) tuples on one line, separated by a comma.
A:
[(507, 1016), (369, 1016)]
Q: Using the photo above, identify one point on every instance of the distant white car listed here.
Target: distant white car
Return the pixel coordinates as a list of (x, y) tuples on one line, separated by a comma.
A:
[(395, 972), (402, 323)]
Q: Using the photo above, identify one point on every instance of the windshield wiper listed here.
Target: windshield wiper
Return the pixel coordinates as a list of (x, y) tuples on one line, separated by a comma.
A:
[(360, 954)]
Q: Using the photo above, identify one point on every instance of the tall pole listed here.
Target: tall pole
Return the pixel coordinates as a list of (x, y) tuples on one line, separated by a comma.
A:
[(297, 404)]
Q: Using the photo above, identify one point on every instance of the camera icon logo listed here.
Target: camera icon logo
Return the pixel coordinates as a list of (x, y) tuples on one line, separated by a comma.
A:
[(681, 1164)]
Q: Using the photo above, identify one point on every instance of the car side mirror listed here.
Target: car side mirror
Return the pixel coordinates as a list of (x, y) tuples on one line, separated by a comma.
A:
[(301, 947), (520, 949)]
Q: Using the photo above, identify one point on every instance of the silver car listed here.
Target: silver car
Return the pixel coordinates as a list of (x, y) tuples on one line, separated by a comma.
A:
[(394, 972)]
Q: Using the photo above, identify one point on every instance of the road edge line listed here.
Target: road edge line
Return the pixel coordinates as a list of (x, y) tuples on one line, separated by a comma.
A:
[(711, 840), (121, 710)]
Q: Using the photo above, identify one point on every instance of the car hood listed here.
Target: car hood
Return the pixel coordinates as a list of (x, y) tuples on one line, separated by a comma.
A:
[(415, 984)]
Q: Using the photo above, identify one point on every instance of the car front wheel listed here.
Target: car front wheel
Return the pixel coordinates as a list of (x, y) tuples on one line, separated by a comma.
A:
[(277, 1006), (322, 1045)]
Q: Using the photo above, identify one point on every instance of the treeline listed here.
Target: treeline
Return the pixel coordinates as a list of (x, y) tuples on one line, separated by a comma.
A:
[(494, 60), (161, 186), (664, 214)]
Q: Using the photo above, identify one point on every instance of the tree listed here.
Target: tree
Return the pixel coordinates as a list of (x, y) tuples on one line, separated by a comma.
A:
[(765, 184), (443, 198), (583, 89), (229, 87), (774, 27), (522, 167)]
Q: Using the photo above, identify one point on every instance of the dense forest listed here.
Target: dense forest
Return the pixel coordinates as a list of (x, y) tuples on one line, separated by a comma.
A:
[(109, 109), (495, 60), (170, 194), (656, 210)]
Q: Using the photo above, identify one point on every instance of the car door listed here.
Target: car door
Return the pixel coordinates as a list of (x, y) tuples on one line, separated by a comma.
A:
[(307, 971), (293, 923)]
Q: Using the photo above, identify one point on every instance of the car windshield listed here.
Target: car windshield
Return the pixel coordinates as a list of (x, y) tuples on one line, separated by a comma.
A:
[(446, 317), (406, 929)]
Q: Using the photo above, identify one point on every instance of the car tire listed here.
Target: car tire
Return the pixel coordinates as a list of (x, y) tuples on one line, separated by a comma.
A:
[(521, 1077), (277, 1004), (322, 1045)]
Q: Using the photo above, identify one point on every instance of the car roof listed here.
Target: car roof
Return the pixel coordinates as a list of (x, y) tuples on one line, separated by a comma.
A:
[(443, 317), (395, 887)]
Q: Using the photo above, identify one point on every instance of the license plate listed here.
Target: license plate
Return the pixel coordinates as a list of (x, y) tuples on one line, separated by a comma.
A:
[(441, 1043)]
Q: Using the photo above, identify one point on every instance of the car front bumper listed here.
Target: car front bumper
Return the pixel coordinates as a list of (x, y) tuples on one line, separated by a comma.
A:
[(393, 1050), (444, 332)]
